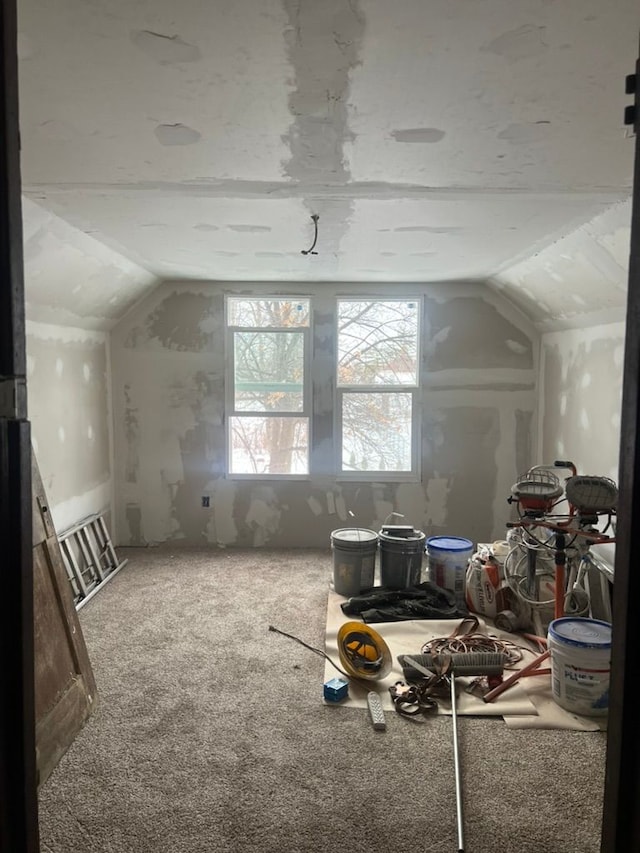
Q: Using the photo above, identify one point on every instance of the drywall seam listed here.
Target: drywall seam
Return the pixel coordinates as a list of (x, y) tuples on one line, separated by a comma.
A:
[(540, 402), (111, 439), (64, 334)]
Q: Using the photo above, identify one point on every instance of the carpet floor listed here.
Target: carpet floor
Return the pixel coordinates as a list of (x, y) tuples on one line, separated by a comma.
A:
[(211, 733)]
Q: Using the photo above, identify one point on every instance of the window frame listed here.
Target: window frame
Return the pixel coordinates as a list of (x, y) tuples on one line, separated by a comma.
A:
[(309, 390), (229, 375), (414, 389)]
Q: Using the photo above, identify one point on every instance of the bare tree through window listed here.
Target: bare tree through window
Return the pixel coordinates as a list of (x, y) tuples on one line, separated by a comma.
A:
[(268, 386), (377, 357)]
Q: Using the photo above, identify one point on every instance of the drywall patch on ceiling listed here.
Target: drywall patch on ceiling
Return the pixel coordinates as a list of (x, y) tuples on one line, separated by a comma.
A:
[(176, 134), (249, 229), (519, 134), (617, 243), (427, 229), (591, 264), (324, 43), (419, 135), (165, 49), (521, 43), (71, 279), (204, 226), (62, 131)]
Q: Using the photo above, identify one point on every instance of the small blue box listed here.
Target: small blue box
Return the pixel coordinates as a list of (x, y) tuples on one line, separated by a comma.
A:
[(336, 690)]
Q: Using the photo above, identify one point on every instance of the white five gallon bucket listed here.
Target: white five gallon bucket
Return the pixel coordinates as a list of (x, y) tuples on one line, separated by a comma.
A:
[(354, 560), (580, 664), (447, 560)]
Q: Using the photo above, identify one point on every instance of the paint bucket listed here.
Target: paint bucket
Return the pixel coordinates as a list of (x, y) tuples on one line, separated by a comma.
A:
[(580, 664), (448, 558), (354, 560), (401, 559)]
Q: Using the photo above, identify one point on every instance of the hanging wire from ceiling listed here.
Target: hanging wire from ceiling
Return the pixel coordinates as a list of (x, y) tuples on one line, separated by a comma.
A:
[(310, 251)]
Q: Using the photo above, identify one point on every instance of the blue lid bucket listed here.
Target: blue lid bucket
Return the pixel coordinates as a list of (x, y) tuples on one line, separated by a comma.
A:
[(581, 633), (448, 559), (454, 544)]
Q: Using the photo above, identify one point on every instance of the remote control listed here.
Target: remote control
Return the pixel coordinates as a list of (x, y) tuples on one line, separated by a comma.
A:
[(375, 711)]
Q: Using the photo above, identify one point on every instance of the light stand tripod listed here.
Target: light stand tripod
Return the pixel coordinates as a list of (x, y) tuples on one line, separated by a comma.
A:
[(537, 494)]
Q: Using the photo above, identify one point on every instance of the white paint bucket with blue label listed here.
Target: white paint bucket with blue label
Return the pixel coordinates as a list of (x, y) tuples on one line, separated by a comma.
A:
[(354, 560), (580, 664), (448, 559)]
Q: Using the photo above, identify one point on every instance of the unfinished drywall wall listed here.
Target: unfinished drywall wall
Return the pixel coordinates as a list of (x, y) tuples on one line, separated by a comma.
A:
[(479, 369), (68, 397), (75, 289), (581, 388)]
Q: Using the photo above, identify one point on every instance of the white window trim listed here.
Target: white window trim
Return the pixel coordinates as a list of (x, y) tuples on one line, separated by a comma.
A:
[(229, 383), (414, 475), (415, 390)]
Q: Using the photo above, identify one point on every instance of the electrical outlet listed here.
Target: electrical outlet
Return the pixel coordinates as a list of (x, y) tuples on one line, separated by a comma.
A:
[(205, 501)]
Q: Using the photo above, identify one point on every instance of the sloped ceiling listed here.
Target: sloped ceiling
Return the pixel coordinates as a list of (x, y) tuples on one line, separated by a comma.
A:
[(436, 141), (579, 280)]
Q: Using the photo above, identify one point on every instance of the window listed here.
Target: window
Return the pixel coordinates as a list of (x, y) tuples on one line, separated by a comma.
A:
[(377, 379), (268, 428), (371, 366)]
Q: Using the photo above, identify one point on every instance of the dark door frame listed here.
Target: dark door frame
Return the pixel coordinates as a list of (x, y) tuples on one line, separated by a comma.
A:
[(621, 807), (18, 785)]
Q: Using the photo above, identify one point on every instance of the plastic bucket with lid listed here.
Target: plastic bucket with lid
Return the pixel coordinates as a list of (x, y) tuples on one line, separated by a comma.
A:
[(354, 559), (580, 664), (447, 559), (401, 559)]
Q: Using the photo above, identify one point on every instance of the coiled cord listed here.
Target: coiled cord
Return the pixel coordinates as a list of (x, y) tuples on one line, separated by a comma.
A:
[(467, 639)]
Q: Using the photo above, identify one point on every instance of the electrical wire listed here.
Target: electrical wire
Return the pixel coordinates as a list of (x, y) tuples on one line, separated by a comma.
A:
[(310, 251), (311, 648), (362, 682)]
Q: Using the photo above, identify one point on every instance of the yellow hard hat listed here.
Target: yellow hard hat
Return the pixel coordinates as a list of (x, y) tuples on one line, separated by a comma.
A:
[(363, 652)]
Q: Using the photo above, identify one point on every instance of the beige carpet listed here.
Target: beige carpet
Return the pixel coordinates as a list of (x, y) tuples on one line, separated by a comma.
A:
[(527, 704), (211, 735)]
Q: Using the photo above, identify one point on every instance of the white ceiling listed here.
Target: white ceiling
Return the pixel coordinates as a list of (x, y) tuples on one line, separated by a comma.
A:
[(436, 140)]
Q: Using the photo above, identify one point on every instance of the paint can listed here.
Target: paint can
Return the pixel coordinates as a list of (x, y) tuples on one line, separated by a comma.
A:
[(448, 559), (401, 559), (580, 664), (354, 559)]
